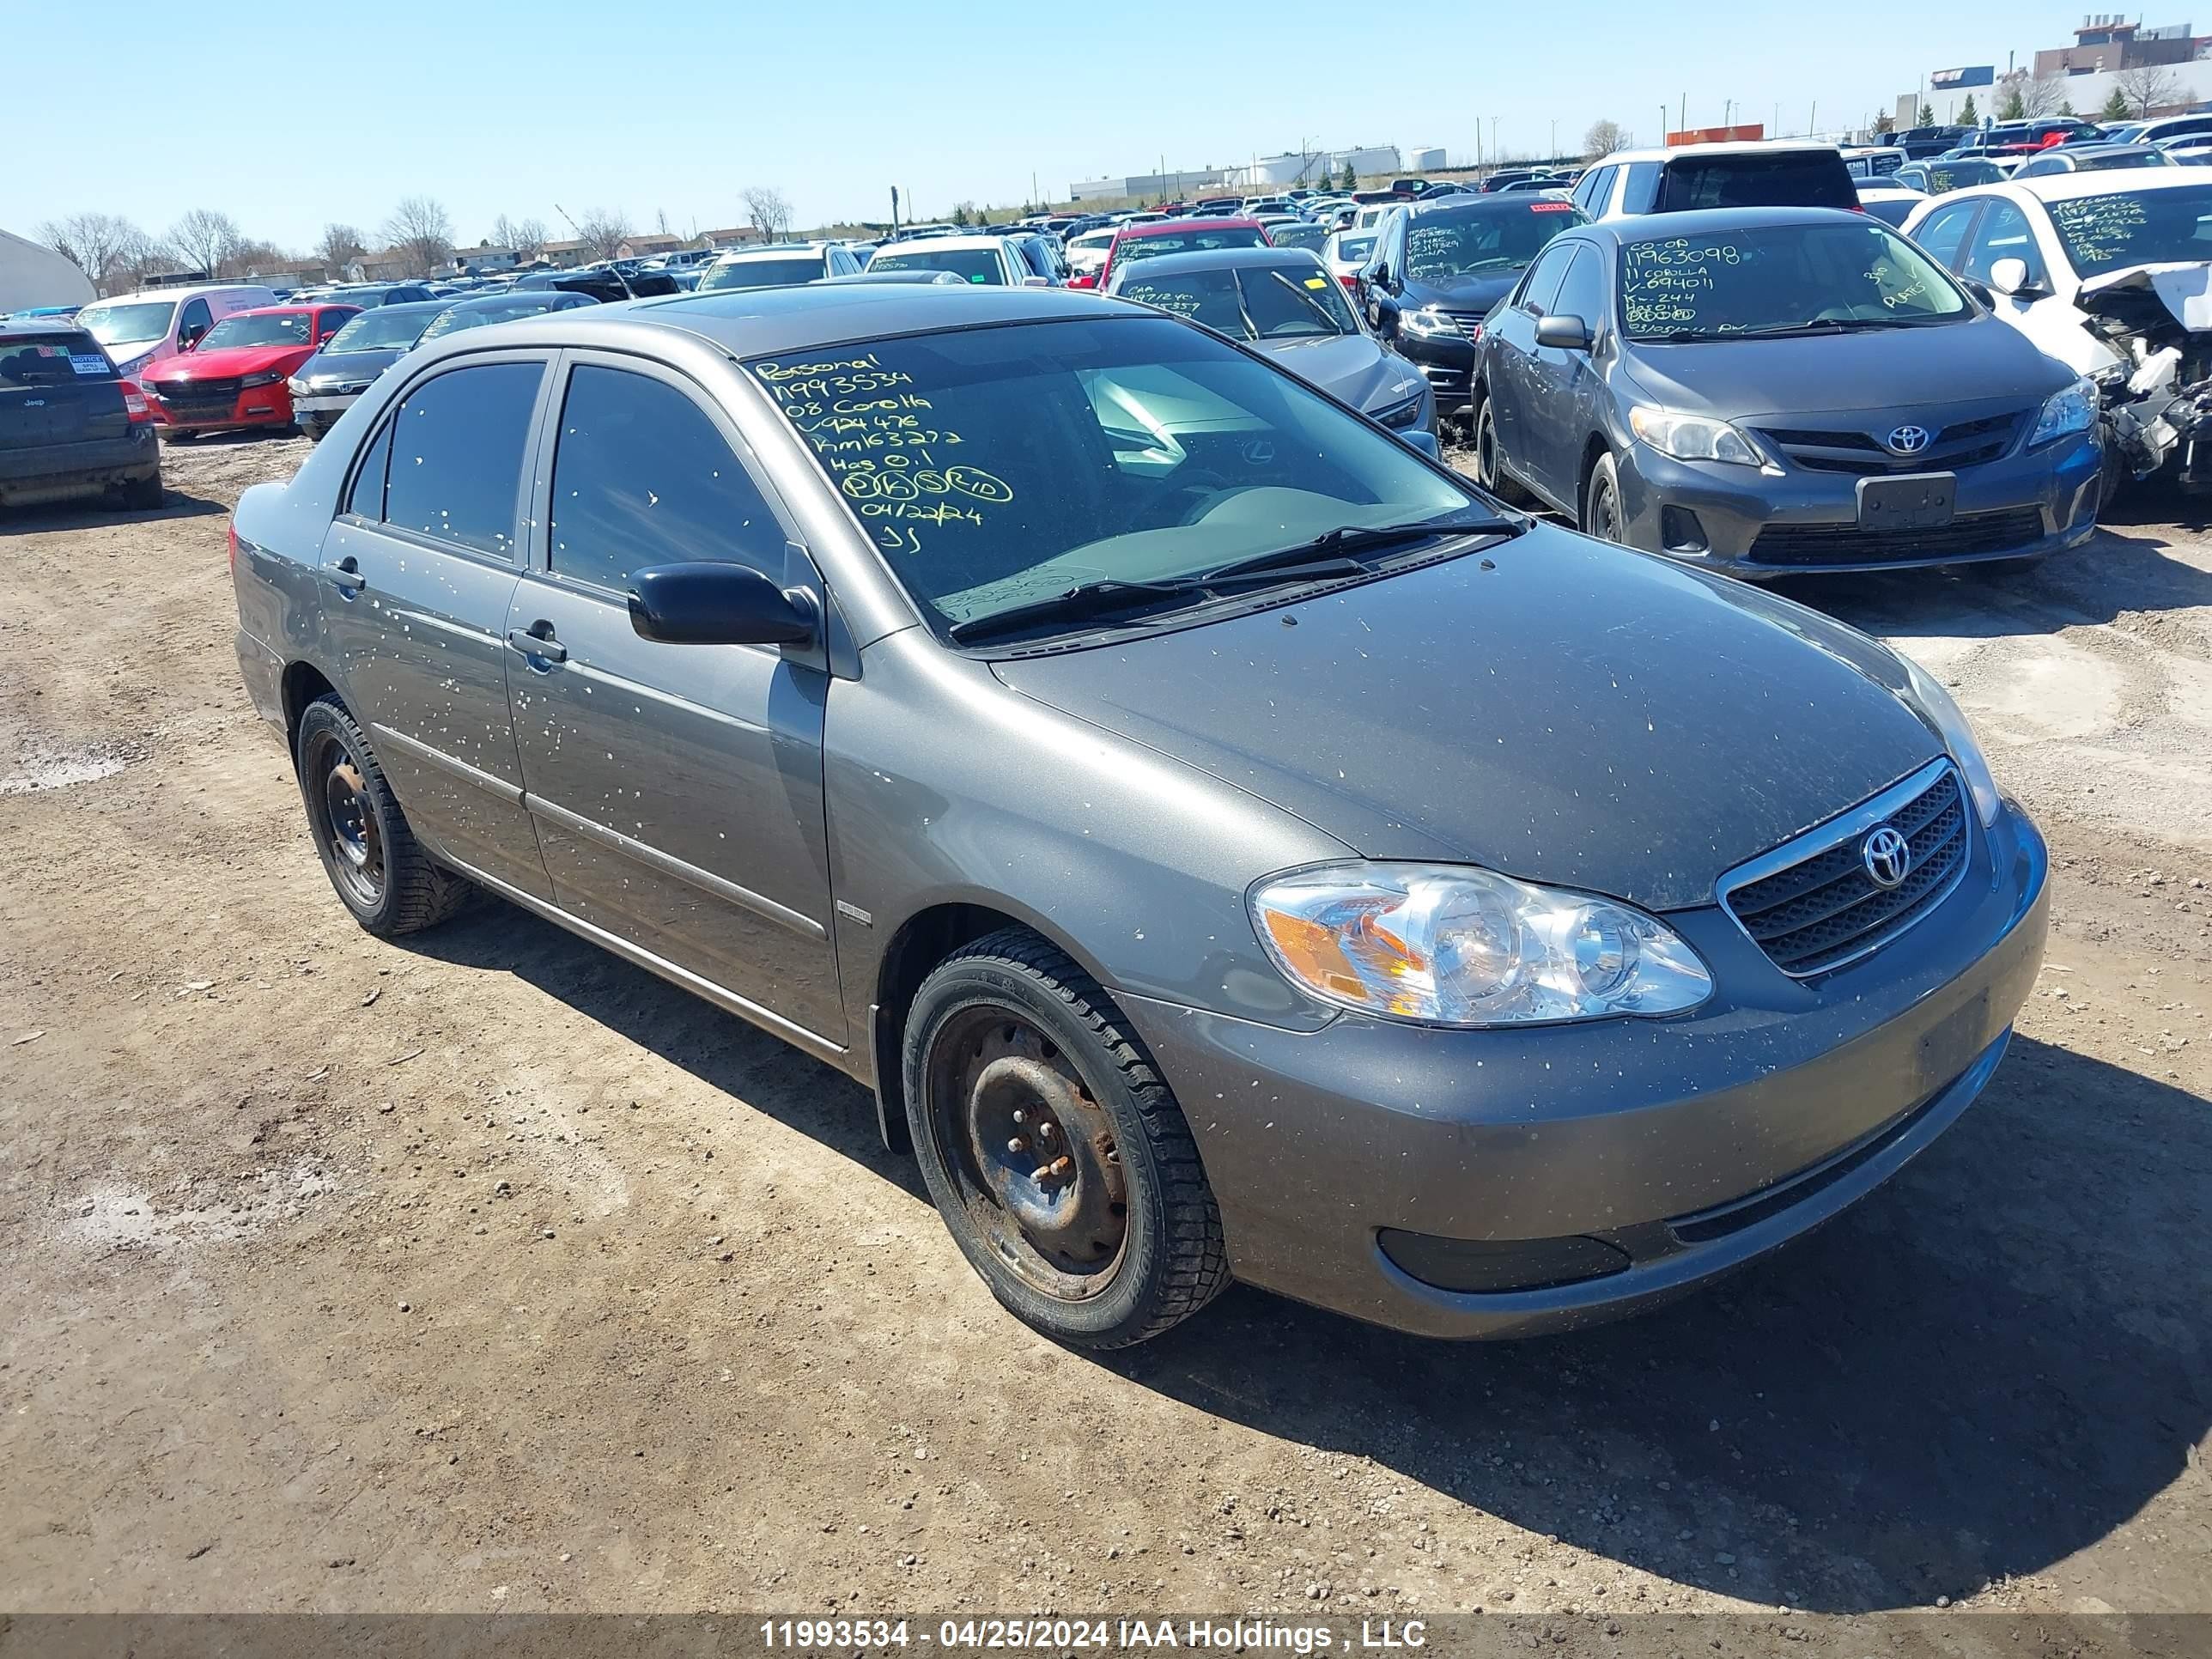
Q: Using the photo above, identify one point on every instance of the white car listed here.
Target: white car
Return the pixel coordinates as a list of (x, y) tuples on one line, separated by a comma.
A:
[(985, 260), (1087, 254), (778, 264), (1344, 253), (1891, 203), (154, 324), (2111, 273)]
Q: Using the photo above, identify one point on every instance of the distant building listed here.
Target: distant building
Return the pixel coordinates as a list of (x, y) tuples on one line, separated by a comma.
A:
[(1426, 158), (32, 274), (481, 259), (1265, 173), (735, 236), (646, 244), (566, 254), (2108, 43)]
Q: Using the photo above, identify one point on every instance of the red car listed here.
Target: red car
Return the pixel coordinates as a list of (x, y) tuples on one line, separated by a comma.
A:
[(234, 377), (1174, 236)]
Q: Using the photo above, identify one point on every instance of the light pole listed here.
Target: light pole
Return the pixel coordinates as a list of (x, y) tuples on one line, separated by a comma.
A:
[(1662, 124)]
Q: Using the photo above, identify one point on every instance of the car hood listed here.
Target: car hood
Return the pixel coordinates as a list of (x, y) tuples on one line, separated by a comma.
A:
[(2184, 287), (1555, 709), (347, 367), (1351, 367), (1890, 369), (1463, 294), (232, 360)]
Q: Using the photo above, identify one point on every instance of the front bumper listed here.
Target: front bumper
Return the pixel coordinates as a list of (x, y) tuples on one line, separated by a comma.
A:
[(1751, 522), (1447, 364), (1678, 1149), (251, 406), (58, 472)]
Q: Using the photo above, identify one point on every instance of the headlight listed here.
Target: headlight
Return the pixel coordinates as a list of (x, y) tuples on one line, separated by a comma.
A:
[(1451, 944), (2067, 412), (1428, 324), (298, 388), (1948, 721), (270, 378), (1693, 437), (1398, 416)]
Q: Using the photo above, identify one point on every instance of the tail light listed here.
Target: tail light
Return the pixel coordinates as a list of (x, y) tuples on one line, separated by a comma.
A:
[(135, 404), (1350, 280)]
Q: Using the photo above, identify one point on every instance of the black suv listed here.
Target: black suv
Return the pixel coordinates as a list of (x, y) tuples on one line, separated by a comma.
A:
[(1918, 143), (68, 424)]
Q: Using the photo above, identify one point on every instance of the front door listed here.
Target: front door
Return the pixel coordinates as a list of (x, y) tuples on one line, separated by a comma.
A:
[(1559, 416), (677, 789), (418, 572)]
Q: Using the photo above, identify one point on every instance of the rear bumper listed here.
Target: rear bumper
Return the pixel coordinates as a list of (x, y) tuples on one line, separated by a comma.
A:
[(1505, 1184), (57, 471), (2021, 506)]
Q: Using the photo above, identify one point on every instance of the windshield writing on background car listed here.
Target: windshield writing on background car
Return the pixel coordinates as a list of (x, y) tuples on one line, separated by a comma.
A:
[(2135, 227), (762, 273), (1195, 241), (995, 467), (128, 325), (1784, 279), (1441, 247), (1250, 303), (381, 330), (284, 328), (970, 264)]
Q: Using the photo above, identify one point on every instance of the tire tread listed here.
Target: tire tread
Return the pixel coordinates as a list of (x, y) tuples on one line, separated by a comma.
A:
[(420, 893)]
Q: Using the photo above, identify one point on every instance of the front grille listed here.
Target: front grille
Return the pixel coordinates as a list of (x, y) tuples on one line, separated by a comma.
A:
[(198, 398), (1470, 322), (1966, 536), (1961, 444), (1822, 907)]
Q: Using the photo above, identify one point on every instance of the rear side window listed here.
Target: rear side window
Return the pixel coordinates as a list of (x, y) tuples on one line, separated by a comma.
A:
[(1795, 179), (642, 477), (1642, 187), (456, 464), (59, 358)]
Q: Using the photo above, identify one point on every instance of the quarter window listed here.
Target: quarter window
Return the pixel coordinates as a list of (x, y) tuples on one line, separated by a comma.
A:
[(456, 465), (1944, 229), (1544, 280), (642, 477), (1583, 292), (2004, 233)]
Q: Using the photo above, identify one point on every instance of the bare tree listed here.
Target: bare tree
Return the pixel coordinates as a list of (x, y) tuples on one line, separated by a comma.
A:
[(526, 237), (420, 235), (105, 248), (203, 238), (770, 210), (602, 230), (2044, 95), (339, 244), (2148, 87), (1602, 139), (248, 257)]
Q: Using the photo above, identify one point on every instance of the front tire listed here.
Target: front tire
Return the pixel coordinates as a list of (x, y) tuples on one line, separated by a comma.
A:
[(1489, 472), (1601, 502), (1057, 1157), (379, 871)]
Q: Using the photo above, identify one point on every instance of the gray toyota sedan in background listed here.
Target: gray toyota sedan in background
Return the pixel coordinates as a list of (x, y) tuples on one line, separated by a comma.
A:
[(1765, 390), (1230, 845)]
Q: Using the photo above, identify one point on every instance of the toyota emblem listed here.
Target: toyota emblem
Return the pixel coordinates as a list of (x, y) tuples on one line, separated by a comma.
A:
[(1909, 440), (1887, 857)]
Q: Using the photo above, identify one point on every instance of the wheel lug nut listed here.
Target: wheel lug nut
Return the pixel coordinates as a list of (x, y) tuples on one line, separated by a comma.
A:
[(1020, 1116), (1044, 1130), (1017, 1145)]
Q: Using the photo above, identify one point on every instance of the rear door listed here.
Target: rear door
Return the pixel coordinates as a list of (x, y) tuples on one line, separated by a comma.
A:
[(57, 387), (419, 570)]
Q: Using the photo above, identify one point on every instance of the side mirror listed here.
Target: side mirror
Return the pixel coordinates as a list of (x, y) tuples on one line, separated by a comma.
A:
[(191, 337), (709, 604), (1037, 282), (1979, 290), (1563, 333), (2010, 278), (1425, 440), (1383, 311)]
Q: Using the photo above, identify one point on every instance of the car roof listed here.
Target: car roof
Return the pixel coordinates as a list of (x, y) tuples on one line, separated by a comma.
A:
[(182, 291), (1893, 192), (24, 325), (1241, 258), (1498, 201), (958, 243), (1703, 222), (504, 297), (2104, 181), (1175, 226), (1732, 147), (772, 249)]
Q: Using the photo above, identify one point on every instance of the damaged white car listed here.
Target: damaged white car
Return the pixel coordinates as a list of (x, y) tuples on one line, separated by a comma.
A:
[(2111, 273)]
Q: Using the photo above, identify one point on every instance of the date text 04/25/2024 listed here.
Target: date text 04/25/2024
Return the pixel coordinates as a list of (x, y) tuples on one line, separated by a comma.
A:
[(1064, 1635)]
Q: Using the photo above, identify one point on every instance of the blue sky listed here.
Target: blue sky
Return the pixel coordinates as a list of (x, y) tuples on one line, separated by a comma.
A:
[(676, 105)]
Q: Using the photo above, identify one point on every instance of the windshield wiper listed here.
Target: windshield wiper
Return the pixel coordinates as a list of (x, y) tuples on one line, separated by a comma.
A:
[(1355, 538), (1110, 595)]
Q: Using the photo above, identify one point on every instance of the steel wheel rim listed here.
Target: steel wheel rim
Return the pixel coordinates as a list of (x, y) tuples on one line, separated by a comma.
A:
[(1485, 450), (1605, 514), (347, 824), (1029, 1151)]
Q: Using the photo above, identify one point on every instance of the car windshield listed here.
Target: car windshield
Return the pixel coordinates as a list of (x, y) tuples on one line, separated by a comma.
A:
[(274, 328), (1190, 241), (381, 330), (1301, 235), (1000, 467), (1250, 302), (128, 322), (764, 273), (2131, 156), (1947, 176), (522, 305), (2135, 227), (970, 264), (1781, 279), (1440, 246)]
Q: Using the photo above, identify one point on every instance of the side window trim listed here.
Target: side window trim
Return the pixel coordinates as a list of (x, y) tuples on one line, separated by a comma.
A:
[(525, 495), (539, 563)]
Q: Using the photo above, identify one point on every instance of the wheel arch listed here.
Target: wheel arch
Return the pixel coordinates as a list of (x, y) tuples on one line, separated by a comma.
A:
[(303, 682)]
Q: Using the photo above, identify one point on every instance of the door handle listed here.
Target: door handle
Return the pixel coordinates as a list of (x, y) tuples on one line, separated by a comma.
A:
[(538, 640), (346, 576)]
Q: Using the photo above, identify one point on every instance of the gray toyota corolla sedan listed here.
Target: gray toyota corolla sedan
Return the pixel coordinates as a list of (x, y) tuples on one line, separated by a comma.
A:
[(1230, 845)]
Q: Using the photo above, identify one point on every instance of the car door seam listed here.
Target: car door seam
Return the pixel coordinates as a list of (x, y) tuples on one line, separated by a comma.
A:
[(491, 784)]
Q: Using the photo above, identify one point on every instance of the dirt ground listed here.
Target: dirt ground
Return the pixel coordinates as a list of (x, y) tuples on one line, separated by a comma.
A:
[(487, 1272)]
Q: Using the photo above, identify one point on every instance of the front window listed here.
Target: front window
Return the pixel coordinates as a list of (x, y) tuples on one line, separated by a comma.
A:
[(1445, 247), (1307, 236), (2143, 156), (136, 322), (1944, 177), (762, 273), (2135, 227), (1785, 279), (272, 328), (970, 264), (532, 305), (381, 330), (1250, 302), (1190, 241), (997, 468)]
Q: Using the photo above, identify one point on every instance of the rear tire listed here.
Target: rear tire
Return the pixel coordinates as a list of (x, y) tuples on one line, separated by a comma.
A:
[(379, 871), (1488, 471), (1601, 503), (1060, 1161)]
